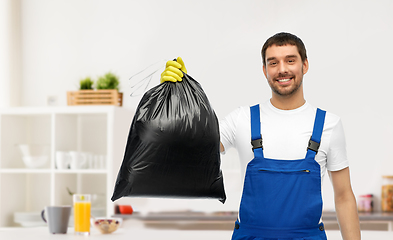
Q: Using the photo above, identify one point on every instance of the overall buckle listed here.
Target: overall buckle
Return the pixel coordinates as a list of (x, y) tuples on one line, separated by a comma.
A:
[(312, 145), (257, 143)]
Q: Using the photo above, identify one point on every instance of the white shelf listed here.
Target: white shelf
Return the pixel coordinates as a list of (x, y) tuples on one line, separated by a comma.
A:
[(24, 170), (82, 171), (67, 171), (58, 110), (100, 130)]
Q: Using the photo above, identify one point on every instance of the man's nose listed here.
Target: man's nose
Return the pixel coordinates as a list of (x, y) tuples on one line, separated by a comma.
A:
[(282, 68)]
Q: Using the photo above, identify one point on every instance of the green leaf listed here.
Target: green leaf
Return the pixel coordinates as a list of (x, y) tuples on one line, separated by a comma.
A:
[(86, 83), (108, 81)]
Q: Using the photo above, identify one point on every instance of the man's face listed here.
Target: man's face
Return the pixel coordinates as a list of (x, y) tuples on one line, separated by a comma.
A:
[(284, 69)]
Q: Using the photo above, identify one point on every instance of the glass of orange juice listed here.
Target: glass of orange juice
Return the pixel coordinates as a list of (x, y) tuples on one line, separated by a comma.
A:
[(82, 206)]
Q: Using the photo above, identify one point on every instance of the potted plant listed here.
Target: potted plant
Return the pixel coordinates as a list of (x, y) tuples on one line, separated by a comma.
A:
[(105, 93), (108, 81), (86, 84)]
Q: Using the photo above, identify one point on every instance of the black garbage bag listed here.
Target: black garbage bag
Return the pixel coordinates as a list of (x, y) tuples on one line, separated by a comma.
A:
[(173, 147)]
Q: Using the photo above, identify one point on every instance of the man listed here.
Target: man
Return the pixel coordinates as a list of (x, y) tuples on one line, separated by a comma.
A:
[(285, 147)]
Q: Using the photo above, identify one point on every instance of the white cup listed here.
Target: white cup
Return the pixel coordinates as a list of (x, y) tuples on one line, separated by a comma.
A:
[(90, 161), (79, 160), (101, 162), (98, 161), (63, 160)]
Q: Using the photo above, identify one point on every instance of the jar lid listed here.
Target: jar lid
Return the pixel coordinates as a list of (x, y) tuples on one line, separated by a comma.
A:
[(366, 196)]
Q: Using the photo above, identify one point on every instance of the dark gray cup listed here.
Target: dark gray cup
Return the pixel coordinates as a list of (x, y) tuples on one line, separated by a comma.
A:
[(58, 217)]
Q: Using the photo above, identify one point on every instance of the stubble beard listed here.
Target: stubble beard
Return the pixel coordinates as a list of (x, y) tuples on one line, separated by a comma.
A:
[(286, 91)]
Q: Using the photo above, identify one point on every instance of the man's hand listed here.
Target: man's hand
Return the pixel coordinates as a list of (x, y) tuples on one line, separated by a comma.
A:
[(173, 71)]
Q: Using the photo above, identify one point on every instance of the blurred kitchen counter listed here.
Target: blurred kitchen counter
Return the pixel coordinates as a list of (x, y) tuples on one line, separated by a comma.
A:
[(368, 221), (231, 216), (181, 216), (375, 216), (190, 220)]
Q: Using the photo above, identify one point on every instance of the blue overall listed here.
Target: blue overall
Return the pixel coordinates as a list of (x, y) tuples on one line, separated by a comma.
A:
[(281, 198)]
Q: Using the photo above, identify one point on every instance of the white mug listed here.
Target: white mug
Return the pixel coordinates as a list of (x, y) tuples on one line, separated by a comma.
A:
[(101, 161), (63, 160), (79, 160)]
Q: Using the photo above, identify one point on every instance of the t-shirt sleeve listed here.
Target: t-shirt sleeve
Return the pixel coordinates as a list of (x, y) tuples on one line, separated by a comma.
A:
[(228, 127), (337, 154)]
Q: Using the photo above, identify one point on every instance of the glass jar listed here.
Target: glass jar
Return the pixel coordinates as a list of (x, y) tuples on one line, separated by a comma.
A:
[(365, 203), (387, 194)]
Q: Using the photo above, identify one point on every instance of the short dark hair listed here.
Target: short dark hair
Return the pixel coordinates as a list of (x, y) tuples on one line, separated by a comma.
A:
[(281, 39)]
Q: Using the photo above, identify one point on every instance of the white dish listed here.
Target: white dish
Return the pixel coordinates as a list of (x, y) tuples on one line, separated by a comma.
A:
[(29, 219)]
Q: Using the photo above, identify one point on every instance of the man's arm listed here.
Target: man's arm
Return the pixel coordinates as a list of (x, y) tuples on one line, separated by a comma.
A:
[(222, 147), (345, 202)]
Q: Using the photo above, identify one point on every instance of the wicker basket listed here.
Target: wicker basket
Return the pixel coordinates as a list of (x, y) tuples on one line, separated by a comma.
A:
[(95, 97)]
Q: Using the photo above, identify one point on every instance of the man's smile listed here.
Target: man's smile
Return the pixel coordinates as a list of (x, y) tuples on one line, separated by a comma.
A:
[(284, 80)]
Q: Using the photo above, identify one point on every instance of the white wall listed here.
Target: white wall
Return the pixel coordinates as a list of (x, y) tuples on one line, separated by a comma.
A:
[(10, 48), (349, 47)]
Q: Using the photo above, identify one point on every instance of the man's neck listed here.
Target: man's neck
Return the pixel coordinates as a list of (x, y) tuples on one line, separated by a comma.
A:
[(287, 103)]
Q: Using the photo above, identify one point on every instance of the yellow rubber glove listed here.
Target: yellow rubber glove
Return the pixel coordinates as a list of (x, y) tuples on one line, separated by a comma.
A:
[(173, 71)]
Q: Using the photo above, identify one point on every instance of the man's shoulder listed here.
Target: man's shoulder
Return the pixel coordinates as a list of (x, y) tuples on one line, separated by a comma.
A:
[(330, 118), (241, 110)]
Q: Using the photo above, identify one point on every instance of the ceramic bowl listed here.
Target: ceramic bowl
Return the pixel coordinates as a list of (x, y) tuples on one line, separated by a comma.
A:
[(35, 162), (34, 155)]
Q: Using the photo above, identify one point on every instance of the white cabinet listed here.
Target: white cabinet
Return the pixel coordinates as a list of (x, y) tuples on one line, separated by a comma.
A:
[(100, 131)]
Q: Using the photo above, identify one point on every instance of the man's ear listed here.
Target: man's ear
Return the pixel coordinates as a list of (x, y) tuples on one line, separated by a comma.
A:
[(305, 66), (264, 70)]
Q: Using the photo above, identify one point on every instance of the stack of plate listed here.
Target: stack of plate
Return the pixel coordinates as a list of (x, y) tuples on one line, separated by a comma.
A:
[(29, 219)]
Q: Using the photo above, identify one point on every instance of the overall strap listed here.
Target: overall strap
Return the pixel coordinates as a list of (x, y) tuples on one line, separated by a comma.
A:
[(256, 136), (313, 144)]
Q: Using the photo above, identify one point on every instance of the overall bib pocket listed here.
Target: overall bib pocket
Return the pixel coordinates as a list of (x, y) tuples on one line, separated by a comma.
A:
[(281, 196)]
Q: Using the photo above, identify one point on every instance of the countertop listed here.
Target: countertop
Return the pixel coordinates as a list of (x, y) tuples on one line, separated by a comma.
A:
[(134, 229), (363, 216), (232, 216)]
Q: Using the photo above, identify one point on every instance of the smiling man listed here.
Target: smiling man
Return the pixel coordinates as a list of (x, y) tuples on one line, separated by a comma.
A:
[(286, 146), (284, 68), (290, 147)]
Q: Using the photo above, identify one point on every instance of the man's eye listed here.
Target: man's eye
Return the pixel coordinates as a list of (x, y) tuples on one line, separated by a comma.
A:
[(272, 63)]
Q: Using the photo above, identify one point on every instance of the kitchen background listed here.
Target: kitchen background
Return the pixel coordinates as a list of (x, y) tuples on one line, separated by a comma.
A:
[(47, 46)]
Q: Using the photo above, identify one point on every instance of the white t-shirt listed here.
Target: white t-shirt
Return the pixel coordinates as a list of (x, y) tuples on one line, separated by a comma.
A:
[(285, 135)]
